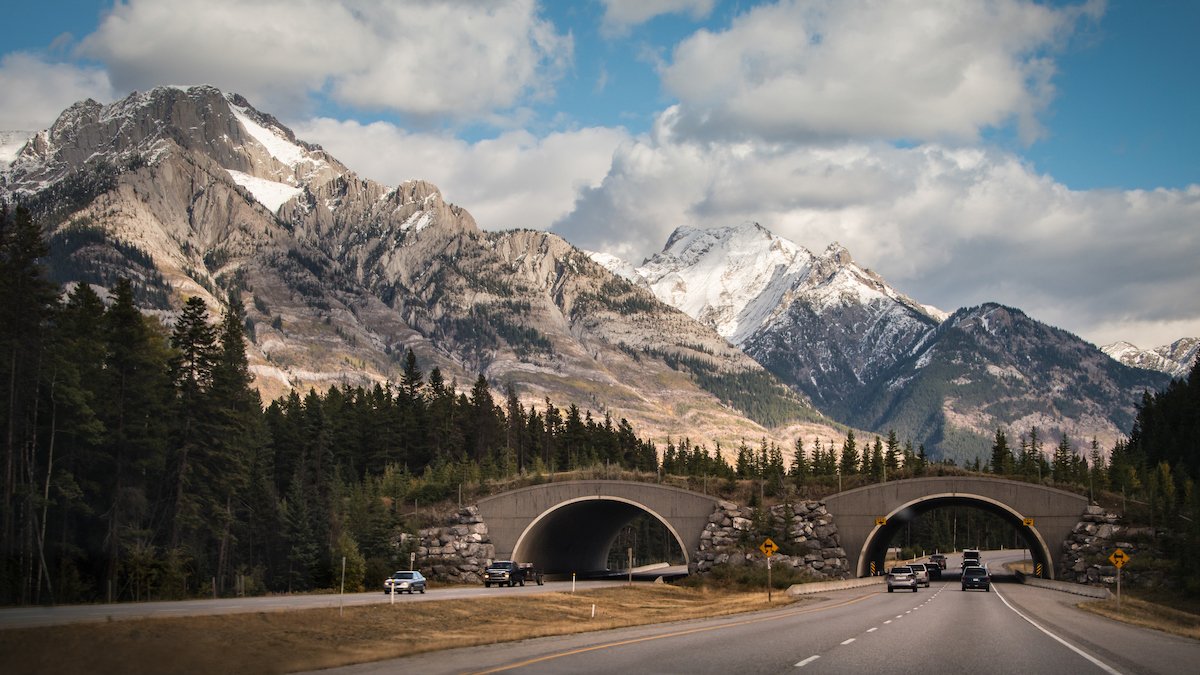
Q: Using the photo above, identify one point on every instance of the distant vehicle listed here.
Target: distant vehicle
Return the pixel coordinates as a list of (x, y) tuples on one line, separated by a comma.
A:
[(902, 577), (921, 571), (970, 558), (510, 573), (976, 577), (935, 572), (404, 581), (939, 560)]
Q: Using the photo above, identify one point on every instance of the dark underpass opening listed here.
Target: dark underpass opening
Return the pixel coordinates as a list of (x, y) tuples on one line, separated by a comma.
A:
[(951, 523), (592, 537)]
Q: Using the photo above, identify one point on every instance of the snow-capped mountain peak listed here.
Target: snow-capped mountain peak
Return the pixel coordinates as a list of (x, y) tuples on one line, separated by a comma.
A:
[(731, 278), (1175, 359)]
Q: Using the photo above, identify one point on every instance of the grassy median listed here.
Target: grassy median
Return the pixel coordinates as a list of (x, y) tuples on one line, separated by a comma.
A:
[(1147, 614), (281, 642)]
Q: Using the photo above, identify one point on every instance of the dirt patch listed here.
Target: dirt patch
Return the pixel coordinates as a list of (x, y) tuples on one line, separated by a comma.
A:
[(282, 642)]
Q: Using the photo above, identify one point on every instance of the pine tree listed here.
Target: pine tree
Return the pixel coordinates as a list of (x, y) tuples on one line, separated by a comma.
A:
[(1002, 460), (849, 463)]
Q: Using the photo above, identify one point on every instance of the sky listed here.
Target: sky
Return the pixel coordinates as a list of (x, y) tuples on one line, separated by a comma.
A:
[(1044, 155)]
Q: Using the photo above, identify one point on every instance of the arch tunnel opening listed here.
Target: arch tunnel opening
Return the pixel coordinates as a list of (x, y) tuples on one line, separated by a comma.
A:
[(579, 536), (1016, 535)]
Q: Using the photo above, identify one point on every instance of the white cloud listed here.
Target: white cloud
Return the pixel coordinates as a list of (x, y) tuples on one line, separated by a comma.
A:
[(906, 69), (950, 226), (36, 90), (513, 180), (427, 59), (620, 15)]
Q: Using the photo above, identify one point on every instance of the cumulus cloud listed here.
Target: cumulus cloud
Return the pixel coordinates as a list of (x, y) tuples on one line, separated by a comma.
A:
[(426, 59), (36, 90), (513, 180), (620, 15), (952, 226), (908, 69)]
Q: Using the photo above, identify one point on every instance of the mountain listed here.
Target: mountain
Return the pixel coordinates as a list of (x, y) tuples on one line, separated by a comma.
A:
[(1175, 359), (820, 322), (875, 359), (992, 366), (192, 191)]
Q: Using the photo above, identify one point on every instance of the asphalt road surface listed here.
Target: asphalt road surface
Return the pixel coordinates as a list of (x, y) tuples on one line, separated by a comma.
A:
[(941, 629)]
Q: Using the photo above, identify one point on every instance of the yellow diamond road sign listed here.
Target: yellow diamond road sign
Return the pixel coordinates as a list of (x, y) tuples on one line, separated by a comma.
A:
[(881, 521), (768, 547), (1028, 522), (1119, 558)]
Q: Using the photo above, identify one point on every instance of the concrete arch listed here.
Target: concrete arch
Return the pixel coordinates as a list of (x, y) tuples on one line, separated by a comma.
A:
[(576, 535), (874, 549), (569, 526), (1054, 512)]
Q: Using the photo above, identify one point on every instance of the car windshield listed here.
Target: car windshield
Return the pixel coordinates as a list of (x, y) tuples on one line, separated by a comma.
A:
[(901, 570), (401, 575)]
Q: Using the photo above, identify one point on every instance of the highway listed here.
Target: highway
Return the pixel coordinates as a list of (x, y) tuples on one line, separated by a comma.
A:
[(941, 629)]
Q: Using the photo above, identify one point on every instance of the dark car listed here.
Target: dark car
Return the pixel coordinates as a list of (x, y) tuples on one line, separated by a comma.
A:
[(939, 560), (976, 577), (935, 572), (404, 581), (901, 577)]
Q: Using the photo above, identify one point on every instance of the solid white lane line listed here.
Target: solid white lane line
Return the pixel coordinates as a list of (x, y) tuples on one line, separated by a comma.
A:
[(807, 661), (846, 642), (1099, 664)]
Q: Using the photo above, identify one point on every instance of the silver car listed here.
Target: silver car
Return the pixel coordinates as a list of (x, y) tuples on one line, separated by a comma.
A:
[(922, 573), (901, 577), (404, 581)]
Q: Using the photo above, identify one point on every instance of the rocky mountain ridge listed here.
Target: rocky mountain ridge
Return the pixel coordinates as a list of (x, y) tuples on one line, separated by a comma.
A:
[(191, 191), (874, 358), (1175, 359)]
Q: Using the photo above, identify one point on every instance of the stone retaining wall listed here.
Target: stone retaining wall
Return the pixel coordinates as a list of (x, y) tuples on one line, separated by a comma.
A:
[(1085, 552), (810, 542), (458, 551)]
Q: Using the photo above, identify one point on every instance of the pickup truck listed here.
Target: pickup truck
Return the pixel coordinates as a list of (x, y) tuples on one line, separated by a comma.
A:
[(510, 573)]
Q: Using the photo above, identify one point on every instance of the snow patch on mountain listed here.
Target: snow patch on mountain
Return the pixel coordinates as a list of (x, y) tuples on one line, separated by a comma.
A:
[(282, 149), (269, 193), (617, 266), (11, 143)]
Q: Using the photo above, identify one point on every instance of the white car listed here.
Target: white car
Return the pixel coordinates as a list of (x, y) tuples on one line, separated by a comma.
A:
[(902, 577), (404, 581)]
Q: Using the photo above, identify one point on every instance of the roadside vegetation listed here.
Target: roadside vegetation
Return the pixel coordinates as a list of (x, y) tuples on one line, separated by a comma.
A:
[(282, 642)]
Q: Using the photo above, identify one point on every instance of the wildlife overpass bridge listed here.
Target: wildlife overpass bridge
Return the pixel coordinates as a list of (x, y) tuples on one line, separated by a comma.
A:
[(571, 525)]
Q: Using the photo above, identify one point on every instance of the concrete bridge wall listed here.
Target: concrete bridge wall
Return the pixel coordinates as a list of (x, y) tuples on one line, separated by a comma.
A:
[(570, 526), (1054, 512)]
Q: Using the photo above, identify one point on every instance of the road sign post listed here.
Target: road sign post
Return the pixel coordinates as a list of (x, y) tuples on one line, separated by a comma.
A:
[(768, 548), (1118, 558)]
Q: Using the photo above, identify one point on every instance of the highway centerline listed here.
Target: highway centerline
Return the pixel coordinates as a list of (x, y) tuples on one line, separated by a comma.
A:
[(692, 631)]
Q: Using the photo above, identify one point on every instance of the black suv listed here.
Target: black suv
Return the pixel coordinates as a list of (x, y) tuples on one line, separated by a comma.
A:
[(976, 577)]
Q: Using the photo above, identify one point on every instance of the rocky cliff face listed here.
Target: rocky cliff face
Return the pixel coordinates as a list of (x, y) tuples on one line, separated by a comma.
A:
[(194, 192), (1175, 359)]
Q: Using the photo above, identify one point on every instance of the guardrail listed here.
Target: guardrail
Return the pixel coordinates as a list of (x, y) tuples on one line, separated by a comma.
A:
[(1097, 592), (840, 585)]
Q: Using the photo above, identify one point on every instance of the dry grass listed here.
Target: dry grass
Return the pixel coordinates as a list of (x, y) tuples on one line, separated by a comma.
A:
[(1147, 614), (281, 642)]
